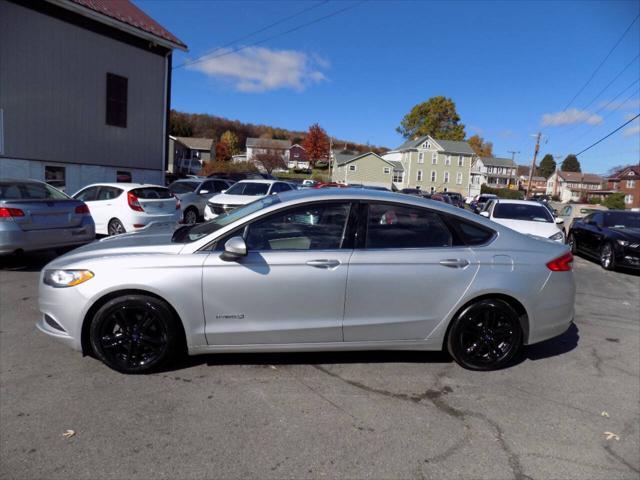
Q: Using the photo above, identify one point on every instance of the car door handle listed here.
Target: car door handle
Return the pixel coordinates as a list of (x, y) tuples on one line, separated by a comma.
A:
[(454, 262), (323, 263)]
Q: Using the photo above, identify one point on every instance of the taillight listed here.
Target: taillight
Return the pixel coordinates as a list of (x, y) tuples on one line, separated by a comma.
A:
[(177, 203), (561, 264), (134, 204), (82, 209), (10, 212)]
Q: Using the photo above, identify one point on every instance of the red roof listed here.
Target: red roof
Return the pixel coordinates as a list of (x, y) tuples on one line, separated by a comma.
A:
[(625, 172), (126, 12), (580, 177)]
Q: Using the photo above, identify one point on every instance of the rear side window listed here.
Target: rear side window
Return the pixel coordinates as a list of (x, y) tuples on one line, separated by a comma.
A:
[(29, 191), (396, 226), (87, 195), (151, 193), (107, 193), (471, 233)]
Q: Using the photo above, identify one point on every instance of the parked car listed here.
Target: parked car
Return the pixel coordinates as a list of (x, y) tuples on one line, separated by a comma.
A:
[(241, 193), (241, 283), (478, 204), (126, 207), (412, 191), (193, 195), (237, 176), (439, 197), (525, 216), (612, 237), (308, 183), (456, 198), (36, 216), (575, 211), (329, 185)]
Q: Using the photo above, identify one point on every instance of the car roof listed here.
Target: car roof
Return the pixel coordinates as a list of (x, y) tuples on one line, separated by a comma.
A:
[(123, 185), (261, 180), (519, 202)]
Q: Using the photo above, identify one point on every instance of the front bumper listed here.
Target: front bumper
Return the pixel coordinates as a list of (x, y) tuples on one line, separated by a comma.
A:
[(13, 238)]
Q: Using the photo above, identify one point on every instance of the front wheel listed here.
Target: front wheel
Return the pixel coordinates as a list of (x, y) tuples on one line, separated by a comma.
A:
[(134, 333), (607, 257), (486, 335)]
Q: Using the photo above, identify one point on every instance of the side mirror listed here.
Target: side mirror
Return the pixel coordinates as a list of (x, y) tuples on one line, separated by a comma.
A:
[(203, 192), (484, 214), (559, 220), (234, 248), (223, 191)]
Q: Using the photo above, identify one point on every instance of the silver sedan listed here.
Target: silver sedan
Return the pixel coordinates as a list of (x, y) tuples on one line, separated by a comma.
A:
[(331, 269)]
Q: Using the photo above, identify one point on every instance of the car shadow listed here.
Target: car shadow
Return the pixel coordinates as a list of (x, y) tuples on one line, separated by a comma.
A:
[(29, 262), (553, 347)]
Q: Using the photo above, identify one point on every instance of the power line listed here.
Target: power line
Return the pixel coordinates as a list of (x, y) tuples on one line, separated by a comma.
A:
[(608, 135), (602, 63), (259, 42), (249, 35), (611, 82)]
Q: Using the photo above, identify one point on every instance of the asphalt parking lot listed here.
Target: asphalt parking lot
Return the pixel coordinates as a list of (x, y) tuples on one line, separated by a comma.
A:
[(347, 415)]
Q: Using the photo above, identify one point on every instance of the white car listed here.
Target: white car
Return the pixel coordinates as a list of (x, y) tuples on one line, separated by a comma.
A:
[(127, 207), (194, 193), (525, 217), (241, 193)]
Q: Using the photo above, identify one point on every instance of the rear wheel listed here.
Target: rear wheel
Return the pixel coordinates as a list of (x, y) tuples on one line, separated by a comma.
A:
[(134, 333), (190, 216), (607, 257), (115, 227), (486, 335)]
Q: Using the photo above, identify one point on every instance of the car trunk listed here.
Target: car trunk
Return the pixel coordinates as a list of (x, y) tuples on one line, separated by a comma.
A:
[(155, 200), (46, 214)]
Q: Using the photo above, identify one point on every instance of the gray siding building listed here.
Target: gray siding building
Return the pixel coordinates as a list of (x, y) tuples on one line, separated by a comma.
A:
[(84, 92)]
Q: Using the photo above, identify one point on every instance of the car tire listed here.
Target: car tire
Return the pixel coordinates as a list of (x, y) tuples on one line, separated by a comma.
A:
[(115, 227), (571, 241), (486, 335), (135, 334), (608, 257), (190, 216)]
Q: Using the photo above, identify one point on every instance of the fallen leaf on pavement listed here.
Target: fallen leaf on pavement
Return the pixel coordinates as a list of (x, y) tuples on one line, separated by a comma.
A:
[(68, 433), (605, 414), (272, 366), (611, 435)]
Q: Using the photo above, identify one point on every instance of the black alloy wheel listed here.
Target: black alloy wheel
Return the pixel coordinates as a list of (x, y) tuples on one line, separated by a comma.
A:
[(134, 333), (485, 336), (190, 216), (571, 241), (115, 227), (607, 257)]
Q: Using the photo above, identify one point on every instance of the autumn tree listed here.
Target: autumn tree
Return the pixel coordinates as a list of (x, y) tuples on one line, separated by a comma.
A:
[(480, 146), (571, 164), (223, 153), (316, 143), (270, 161), (547, 166), (436, 117), (231, 140)]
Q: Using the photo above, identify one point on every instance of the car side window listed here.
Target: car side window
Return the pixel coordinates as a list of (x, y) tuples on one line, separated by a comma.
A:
[(471, 233), (319, 226), (209, 186), (219, 186), (87, 195), (108, 193), (397, 226), (598, 219), (566, 211)]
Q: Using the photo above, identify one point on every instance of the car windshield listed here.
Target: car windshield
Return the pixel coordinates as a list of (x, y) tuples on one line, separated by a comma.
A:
[(622, 220), (248, 188), (196, 232), (152, 193), (178, 188), (30, 191), (522, 211)]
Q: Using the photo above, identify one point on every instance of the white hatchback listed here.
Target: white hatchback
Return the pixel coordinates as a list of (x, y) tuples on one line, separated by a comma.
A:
[(127, 207), (526, 217), (241, 193)]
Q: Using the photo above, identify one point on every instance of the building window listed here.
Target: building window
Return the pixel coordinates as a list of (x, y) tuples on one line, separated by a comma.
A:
[(421, 157), (628, 199), (459, 178), (428, 146), (123, 176), (447, 160), (433, 175), (398, 176), (446, 177), (433, 189), (387, 170), (55, 176), (461, 161), (353, 168), (631, 183), (419, 176), (434, 158), (116, 100)]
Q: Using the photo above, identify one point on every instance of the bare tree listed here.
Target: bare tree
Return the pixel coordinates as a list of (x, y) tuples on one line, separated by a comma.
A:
[(270, 161)]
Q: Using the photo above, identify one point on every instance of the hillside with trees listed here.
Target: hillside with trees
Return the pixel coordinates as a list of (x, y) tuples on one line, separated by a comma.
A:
[(210, 126)]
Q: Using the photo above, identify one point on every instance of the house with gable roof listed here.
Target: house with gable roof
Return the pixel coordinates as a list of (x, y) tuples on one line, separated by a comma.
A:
[(367, 169), (627, 181)]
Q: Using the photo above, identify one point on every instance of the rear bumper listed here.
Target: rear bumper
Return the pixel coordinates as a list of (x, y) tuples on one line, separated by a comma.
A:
[(553, 310), (137, 221), (13, 238)]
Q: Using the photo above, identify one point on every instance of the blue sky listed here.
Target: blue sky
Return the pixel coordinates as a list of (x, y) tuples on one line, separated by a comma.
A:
[(510, 67)]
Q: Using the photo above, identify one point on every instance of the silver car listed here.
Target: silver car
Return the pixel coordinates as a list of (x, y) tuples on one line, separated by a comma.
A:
[(36, 216), (330, 269), (194, 193)]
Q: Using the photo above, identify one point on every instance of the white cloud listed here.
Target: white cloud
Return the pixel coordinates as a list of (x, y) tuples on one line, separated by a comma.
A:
[(631, 131), (569, 117), (625, 105), (259, 69)]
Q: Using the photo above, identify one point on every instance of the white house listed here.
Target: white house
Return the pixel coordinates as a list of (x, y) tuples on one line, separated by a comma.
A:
[(494, 172), (572, 186), (257, 146)]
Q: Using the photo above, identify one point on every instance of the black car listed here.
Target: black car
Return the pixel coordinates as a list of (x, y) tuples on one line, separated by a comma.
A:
[(612, 237), (456, 198), (478, 204)]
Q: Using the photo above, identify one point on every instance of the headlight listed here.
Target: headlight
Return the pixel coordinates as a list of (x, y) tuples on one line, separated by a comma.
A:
[(66, 278), (557, 237), (623, 243)]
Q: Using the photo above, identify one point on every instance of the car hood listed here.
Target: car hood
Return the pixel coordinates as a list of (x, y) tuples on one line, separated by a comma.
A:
[(630, 234), (539, 229), (156, 238), (225, 199)]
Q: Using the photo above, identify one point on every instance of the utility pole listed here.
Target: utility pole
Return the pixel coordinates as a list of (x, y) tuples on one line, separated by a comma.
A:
[(533, 164), (330, 157), (513, 154)]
